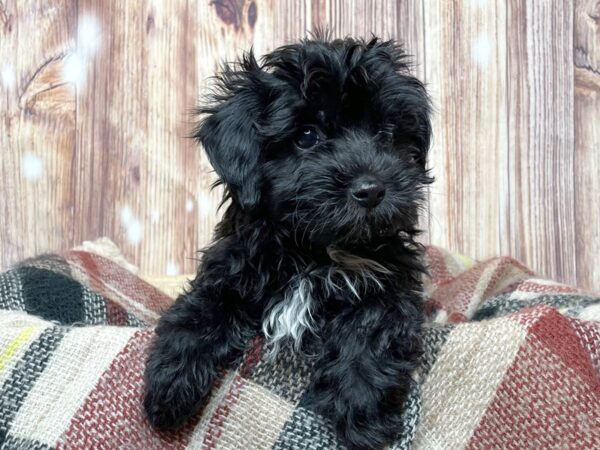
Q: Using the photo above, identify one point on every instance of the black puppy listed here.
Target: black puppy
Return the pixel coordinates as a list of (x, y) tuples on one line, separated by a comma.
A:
[(321, 149)]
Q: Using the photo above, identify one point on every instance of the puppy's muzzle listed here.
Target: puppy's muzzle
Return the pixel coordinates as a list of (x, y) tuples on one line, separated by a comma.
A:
[(367, 191)]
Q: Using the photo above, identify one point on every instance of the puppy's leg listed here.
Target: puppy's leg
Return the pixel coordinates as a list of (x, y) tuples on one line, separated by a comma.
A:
[(204, 330), (363, 378)]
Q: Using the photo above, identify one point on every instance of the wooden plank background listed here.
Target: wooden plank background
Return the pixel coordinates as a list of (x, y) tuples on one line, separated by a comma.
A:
[(95, 95)]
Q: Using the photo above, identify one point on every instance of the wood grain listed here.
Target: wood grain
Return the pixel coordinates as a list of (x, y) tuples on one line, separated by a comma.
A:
[(470, 147), (541, 228), (587, 140), (37, 135), (95, 98)]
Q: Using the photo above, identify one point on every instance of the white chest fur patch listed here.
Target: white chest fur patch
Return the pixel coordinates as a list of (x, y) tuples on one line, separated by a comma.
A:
[(292, 317)]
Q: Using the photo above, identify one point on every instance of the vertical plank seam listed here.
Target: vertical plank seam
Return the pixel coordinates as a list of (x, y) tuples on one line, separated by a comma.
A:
[(509, 193), (574, 153)]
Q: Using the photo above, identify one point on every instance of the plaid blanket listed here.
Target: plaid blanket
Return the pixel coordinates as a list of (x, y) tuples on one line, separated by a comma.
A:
[(511, 361)]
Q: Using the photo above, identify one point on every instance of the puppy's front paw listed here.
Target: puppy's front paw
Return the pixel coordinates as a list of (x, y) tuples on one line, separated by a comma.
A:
[(175, 390), (364, 418), (361, 429)]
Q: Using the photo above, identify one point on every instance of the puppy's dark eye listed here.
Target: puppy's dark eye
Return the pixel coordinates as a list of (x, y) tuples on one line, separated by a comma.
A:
[(307, 137)]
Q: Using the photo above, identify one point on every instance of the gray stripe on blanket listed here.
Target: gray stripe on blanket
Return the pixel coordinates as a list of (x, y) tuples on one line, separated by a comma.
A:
[(306, 430), (94, 307), (503, 305), (23, 376), (11, 291), (15, 443)]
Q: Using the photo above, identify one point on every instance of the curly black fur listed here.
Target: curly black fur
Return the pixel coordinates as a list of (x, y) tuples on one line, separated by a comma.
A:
[(295, 254)]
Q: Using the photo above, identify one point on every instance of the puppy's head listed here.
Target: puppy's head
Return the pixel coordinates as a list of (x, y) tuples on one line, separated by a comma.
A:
[(328, 138)]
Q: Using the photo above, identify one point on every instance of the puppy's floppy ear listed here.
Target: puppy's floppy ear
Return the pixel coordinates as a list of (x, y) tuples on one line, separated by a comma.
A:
[(418, 121), (405, 97), (228, 131)]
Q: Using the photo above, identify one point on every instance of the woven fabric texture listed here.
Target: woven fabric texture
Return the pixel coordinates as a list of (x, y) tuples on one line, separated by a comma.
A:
[(511, 361)]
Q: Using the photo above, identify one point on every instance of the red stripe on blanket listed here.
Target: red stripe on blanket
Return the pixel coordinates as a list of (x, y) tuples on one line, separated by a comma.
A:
[(508, 270), (456, 295), (112, 415), (589, 335), (437, 265), (543, 400), (555, 331), (118, 284), (219, 418), (253, 356), (541, 287), (115, 313)]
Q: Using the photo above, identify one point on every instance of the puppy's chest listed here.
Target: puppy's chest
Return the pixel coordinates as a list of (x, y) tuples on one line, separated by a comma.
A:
[(303, 303)]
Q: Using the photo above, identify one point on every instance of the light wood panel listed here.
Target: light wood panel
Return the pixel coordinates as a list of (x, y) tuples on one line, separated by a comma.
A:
[(134, 165), (541, 137), (37, 134), (96, 95), (465, 55), (587, 141)]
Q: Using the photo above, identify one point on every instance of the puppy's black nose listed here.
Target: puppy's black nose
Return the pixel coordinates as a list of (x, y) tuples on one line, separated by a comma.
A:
[(367, 191)]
